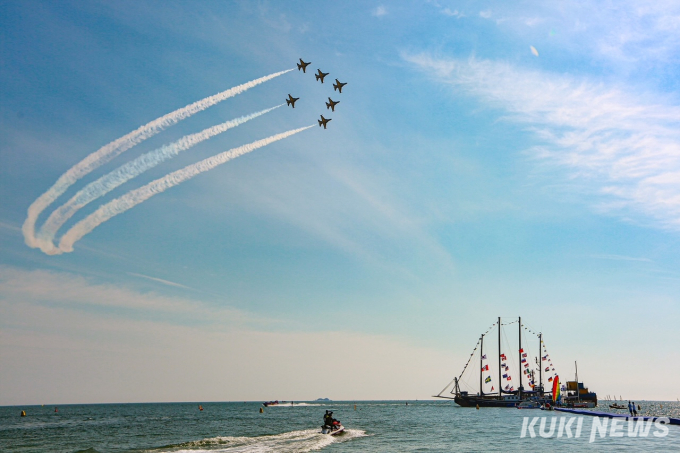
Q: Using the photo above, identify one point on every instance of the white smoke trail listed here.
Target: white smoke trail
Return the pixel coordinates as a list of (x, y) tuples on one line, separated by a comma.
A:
[(137, 196), (127, 171), (116, 147)]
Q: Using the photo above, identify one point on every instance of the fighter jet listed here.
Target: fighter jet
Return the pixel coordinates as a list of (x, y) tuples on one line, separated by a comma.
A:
[(302, 65), (320, 75), (291, 100), (331, 104), (338, 86), (323, 121)]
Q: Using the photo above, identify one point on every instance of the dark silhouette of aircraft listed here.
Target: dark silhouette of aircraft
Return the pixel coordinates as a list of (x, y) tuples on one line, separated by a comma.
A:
[(291, 100), (302, 65), (331, 104), (320, 75), (323, 121), (338, 86)]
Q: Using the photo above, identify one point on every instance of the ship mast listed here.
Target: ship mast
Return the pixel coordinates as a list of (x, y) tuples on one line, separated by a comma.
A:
[(578, 390), (540, 362), (481, 371), (500, 383), (519, 392)]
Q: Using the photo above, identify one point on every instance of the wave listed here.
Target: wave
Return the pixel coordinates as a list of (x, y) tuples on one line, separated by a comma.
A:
[(293, 441), (295, 405)]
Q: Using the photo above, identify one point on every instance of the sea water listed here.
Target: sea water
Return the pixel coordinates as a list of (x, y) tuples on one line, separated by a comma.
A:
[(375, 426)]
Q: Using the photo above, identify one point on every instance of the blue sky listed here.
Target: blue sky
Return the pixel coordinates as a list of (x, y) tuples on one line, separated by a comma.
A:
[(463, 177)]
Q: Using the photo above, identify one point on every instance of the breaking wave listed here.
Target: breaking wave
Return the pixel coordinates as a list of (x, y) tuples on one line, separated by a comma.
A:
[(294, 441)]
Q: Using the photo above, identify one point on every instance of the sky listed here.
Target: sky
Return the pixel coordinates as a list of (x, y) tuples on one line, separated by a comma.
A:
[(485, 160)]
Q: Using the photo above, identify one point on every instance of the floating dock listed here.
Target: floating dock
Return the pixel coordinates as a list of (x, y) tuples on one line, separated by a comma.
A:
[(671, 421)]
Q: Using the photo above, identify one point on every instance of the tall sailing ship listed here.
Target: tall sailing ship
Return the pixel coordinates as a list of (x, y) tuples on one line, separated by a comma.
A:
[(504, 390)]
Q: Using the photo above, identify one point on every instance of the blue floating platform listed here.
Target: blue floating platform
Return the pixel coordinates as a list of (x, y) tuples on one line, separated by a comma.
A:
[(671, 421)]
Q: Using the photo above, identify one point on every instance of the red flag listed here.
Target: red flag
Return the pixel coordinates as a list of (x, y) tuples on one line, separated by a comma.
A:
[(521, 350), (492, 388)]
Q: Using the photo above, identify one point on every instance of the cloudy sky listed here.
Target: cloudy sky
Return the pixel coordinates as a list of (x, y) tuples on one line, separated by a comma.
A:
[(485, 160)]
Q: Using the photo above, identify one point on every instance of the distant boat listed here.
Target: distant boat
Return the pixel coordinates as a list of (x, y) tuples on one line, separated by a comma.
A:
[(272, 403)]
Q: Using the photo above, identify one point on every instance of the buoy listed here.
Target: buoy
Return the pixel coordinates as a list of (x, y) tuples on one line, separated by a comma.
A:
[(200, 408), (23, 413), (56, 409), (478, 407), (261, 410)]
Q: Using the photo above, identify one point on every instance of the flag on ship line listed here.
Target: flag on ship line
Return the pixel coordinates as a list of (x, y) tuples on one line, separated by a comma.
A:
[(484, 357), (487, 380), (503, 357), (485, 368), (521, 350), (524, 355), (505, 375)]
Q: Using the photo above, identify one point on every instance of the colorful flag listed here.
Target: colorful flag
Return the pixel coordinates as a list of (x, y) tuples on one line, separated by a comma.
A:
[(485, 368), (524, 360), (547, 368), (524, 355), (503, 357), (550, 379), (526, 364), (492, 388), (503, 365), (509, 378), (505, 375), (507, 368), (488, 379), (521, 350), (556, 389), (484, 357)]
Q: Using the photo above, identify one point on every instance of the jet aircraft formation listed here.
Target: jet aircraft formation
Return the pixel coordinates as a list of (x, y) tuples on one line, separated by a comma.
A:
[(330, 105)]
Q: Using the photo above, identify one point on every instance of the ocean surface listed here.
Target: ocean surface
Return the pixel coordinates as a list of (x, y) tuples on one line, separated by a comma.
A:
[(375, 426)]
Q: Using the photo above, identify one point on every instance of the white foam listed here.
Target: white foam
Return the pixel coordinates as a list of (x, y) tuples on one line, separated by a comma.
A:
[(294, 441)]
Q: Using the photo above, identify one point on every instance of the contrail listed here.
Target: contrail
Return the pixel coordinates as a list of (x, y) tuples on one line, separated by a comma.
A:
[(116, 147), (137, 196), (127, 171)]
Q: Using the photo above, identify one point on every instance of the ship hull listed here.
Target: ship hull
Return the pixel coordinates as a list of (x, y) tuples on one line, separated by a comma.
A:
[(473, 401)]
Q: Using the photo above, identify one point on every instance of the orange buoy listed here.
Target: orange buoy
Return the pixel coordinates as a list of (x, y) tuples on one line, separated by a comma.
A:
[(23, 413)]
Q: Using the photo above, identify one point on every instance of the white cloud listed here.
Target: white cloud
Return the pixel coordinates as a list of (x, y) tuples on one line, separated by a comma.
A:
[(620, 258), (69, 290), (454, 13), (61, 353), (619, 144), (624, 32), (380, 11)]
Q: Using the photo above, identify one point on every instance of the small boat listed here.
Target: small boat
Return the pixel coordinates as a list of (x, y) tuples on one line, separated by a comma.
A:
[(271, 403), (529, 405), (333, 430), (617, 406)]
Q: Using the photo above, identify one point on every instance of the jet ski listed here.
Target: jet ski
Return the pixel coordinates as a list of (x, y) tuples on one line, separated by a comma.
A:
[(334, 429), (330, 425)]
